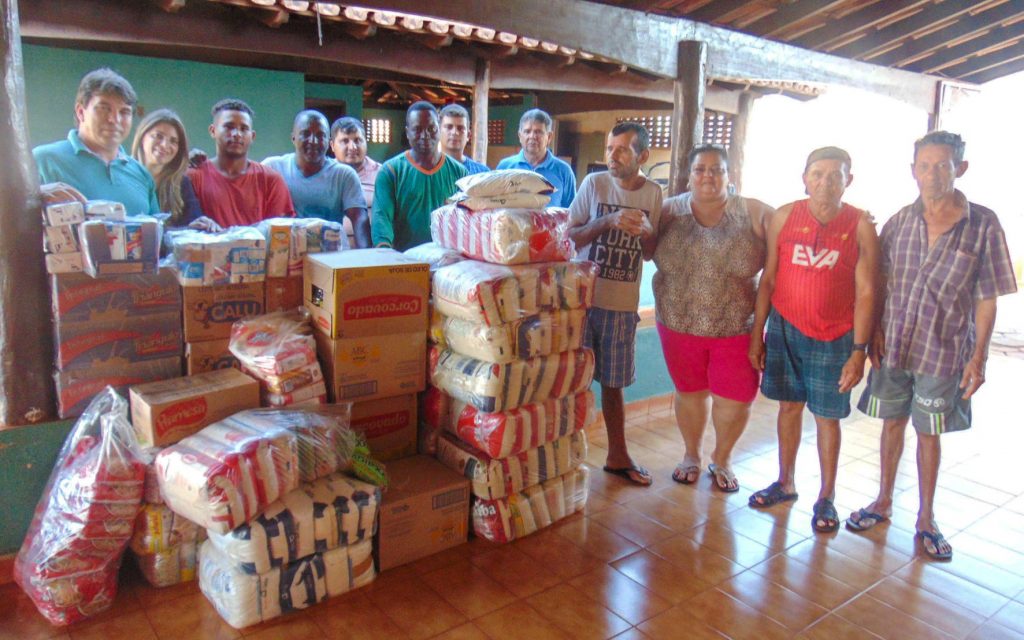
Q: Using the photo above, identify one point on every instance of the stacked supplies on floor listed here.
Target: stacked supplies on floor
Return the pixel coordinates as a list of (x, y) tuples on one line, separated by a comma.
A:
[(98, 238), (278, 349), (289, 240), (511, 398)]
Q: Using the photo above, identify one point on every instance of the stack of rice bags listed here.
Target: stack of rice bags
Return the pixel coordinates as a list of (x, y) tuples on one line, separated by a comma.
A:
[(278, 349), (285, 529), (511, 382)]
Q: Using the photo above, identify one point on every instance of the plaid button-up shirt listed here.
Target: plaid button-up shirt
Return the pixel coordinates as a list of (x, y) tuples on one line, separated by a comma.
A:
[(929, 306)]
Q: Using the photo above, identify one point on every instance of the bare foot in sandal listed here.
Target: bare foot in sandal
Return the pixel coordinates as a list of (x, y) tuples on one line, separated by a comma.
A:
[(687, 471), (725, 479)]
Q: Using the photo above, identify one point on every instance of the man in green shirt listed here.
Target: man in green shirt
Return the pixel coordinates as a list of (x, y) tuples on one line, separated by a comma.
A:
[(412, 184)]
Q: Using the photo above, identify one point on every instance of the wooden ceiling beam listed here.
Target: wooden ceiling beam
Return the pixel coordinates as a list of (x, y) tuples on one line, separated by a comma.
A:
[(786, 16), (360, 31), (994, 59), (713, 11), (867, 17), (879, 39), (942, 58), (985, 75)]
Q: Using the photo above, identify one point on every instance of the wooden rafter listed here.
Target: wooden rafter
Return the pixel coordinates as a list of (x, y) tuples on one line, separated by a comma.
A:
[(924, 20), (1007, 68), (942, 59), (789, 14), (863, 19), (985, 61)]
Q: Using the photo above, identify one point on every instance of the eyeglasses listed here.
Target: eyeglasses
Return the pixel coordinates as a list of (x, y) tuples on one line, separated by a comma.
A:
[(714, 171)]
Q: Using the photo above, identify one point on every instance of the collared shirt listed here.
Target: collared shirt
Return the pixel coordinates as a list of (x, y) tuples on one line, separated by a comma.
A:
[(929, 306), (124, 179), (406, 194), (556, 171)]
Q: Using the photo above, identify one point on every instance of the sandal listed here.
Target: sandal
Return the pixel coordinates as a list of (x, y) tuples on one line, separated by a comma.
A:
[(725, 479), (937, 540), (635, 474), (683, 473), (865, 520), (771, 496), (825, 511)]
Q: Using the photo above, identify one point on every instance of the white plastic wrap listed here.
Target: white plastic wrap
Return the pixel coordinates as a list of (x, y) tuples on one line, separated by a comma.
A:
[(505, 201), (244, 599), (165, 545), (492, 478), (494, 294), (494, 387), (504, 181), (537, 335), (204, 259), (69, 561), (120, 246), (434, 255), (434, 415), (539, 506), (278, 349), (290, 239), (504, 236)]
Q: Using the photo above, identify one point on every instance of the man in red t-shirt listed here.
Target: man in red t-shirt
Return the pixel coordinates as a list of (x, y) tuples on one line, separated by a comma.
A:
[(819, 285), (233, 190)]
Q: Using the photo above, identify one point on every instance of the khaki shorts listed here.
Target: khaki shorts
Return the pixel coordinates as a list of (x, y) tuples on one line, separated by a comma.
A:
[(935, 405)]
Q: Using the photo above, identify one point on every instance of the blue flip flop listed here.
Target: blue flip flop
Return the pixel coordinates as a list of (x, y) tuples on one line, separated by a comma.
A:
[(770, 496), (865, 520), (936, 539)]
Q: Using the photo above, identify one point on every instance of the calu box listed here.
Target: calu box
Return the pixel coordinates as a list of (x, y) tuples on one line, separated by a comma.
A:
[(209, 312), (209, 355), (366, 292)]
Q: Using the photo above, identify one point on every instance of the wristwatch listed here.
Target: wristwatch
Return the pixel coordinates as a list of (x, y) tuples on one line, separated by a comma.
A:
[(860, 346)]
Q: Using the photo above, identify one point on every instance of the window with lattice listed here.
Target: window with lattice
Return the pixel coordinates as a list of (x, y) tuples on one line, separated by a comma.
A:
[(378, 130), (659, 128), (717, 128), (495, 132)]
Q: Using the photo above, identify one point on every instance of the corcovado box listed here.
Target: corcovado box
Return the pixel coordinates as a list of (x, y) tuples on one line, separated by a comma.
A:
[(389, 425), (209, 355), (424, 511), (209, 312), (373, 367), (366, 292), (164, 412)]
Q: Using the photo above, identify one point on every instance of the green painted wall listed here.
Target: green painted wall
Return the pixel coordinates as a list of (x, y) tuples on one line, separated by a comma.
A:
[(511, 115), (352, 95), (381, 152)]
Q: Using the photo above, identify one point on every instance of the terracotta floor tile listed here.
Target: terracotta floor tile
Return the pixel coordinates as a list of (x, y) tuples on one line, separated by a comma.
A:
[(784, 606), (516, 571), (809, 583), (761, 524), (132, 625), (468, 589), (188, 616), (149, 595), (966, 542), (558, 555), (598, 540), (817, 554), (623, 596), (678, 622), (724, 541), (1011, 616), (576, 614), (297, 627), (833, 627), (19, 619), (866, 550), (632, 525), (735, 619), (1002, 527), (926, 606), (994, 631), (661, 576), (887, 621), (416, 608), (519, 620), (689, 556), (468, 631), (632, 634), (967, 594), (354, 618), (596, 503), (982, 573), (667, 513)]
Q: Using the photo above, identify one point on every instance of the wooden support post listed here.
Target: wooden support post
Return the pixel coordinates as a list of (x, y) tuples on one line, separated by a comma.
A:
[(26, 358), (939, 107), (687, 110), (481, 107), (739, 139)]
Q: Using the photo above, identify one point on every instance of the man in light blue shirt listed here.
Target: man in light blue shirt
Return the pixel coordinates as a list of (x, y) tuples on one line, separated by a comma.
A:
[(535, 134), (321, 187), (455, 135), (90, 163)]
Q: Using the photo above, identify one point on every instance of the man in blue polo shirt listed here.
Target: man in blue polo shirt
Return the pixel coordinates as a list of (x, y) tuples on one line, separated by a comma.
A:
[(535, 134)]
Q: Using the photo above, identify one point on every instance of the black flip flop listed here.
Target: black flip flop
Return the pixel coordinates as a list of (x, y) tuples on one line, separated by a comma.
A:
[(624, 472), (825, 510), (770, 496)]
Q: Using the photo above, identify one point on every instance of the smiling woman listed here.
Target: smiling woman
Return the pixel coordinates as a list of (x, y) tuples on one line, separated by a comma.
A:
[(161, 144)]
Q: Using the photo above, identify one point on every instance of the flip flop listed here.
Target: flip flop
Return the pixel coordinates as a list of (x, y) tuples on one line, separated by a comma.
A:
[(865, 520), (770, 496), (626, 472), (826, 511), (936, 539), (682, 473), (721, 473)]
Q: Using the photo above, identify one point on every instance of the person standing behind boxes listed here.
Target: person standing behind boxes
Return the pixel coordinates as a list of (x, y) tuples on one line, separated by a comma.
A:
[(535, 133), (614, 221), (232, 189), (321, 187), (455, 130), (90, 163), (413, 183)]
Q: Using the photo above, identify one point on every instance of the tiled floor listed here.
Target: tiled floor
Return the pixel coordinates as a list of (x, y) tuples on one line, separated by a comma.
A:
[(683, 562)]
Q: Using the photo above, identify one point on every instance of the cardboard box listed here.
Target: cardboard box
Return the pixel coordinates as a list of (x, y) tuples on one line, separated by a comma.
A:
[(82, 298), (209, 355), (283, 294), (373, 367), (209, 312), (64, 213), (389, 425), (88, 344), (76, 387), (64, 263), (112, 247), (164, 412), (60, 239), (424, 511), (366, 292)]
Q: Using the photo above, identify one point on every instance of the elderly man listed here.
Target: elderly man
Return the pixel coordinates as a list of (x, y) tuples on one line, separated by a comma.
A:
[(614, 221), (945, 262), (455, 136), (818, 283), (348, 142), (321, 187), (535, 135), (232, 189), (413, 183), (90, 163)]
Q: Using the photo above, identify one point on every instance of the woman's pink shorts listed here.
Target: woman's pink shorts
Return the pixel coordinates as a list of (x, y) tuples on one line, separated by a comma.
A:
[(697, 363)]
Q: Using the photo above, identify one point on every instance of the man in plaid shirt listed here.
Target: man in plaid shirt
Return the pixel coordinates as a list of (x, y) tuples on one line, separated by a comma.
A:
[(945, 261)]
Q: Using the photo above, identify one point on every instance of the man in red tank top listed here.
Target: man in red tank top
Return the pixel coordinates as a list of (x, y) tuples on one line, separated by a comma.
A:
[(817, 295)]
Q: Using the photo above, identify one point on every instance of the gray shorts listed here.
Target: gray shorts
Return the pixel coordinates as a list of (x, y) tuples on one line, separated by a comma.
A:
[(935, 405)]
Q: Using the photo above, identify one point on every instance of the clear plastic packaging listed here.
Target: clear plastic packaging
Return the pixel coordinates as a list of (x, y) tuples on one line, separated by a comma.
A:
[(223, 476), (69, 561), (130, 245), (238, 254), (537, 335), (504, 181), (494, 294), (290, 239), (165, 545), (539, 506), (244, 599), (434, 416), (278, 349), (494, 387), (332, 512), (505, 201), (492, 478), (434, 255), (504, 236)]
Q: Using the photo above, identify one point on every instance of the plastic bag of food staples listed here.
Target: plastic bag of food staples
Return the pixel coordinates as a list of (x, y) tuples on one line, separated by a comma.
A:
[(278, 349), (504, 181), (434, 255), (507, 201), (528, 511), (538, 335), (69, 560), (504, 236)]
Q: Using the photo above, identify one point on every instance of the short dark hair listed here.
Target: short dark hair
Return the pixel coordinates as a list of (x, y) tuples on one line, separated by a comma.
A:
[(708, 148), (420, 105), (307, 113), (348, 124), (231, 104), (105, 81), (536, 115), (829, 153), (454, 111), (641, 138), (951, 140)]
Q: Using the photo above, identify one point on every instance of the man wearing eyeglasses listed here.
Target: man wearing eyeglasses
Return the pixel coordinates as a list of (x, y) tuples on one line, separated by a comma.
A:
[(321, 187)]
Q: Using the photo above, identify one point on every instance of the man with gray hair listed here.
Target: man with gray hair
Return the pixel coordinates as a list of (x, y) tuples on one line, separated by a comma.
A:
[(535, 133), (944, 263), (455, 135)]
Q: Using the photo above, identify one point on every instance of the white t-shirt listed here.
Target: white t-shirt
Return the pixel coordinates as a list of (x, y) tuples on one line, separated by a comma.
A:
[(617, 253)]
